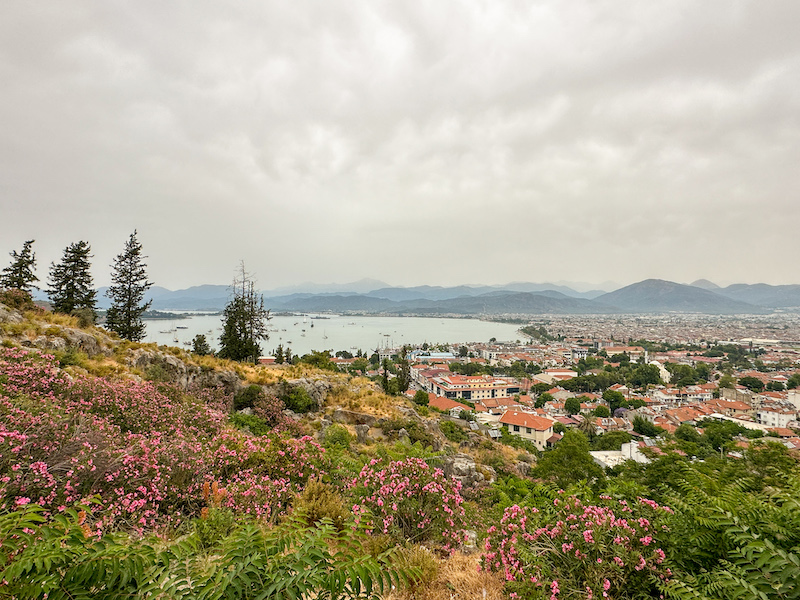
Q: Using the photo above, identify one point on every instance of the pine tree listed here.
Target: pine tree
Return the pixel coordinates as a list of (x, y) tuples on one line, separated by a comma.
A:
[(201, 346), (127, 292), (20, 273), (70, 282), (244, 321)]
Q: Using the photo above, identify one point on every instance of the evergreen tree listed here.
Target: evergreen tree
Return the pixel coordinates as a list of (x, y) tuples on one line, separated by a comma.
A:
[(127, 292), (279, 354), (70, 282), (201, 346), (20, 273), (244, 321)]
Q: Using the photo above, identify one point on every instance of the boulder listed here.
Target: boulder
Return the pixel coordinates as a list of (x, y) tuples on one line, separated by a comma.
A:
[(350, 417), (362, 434), (462, 467)]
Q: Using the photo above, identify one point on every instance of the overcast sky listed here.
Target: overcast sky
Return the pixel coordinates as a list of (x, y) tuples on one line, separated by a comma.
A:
[(438, 142)]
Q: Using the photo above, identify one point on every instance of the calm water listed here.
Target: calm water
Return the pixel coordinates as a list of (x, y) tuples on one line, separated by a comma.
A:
[(337, 332)]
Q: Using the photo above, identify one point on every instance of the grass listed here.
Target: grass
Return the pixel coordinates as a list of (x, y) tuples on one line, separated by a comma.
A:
[(457, 578)]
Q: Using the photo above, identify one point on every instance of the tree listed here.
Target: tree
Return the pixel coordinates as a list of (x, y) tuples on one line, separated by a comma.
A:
[(602, 411), (403, 371), (20, 273), (572, 406), (569, 462), (129, 284), (543, 399), (279, 354), (70, 283), (752, 383), (244, 321), (421, 398), (201, 346), (615, 399)]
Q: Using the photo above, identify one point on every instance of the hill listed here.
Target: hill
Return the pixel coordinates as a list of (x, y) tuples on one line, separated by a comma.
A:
[(773, 296), (657, 295)]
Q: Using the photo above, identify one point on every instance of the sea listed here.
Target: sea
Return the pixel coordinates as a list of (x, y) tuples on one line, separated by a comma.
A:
[(306, 332)]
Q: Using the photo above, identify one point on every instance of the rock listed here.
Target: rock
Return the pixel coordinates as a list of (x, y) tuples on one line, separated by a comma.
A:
[(362, 434), (8, 315), (324, 424), (403, 436), (462, 467), (350, 417), (470, 545), (245, 411), (523, 468)]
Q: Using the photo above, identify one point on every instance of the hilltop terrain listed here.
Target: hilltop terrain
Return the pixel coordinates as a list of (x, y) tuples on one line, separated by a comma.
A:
[(133, 470)]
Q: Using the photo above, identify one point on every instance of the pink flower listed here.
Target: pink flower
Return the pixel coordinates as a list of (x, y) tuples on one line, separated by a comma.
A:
[(22, 501)]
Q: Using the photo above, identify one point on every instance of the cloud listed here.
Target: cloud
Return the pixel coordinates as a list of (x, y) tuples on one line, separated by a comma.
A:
[(415, 142)]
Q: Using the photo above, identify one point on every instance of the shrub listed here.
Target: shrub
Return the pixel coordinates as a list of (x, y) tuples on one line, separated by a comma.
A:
[(320, 501), (453, 432), (337, 436), (416, 432), (421, 398), (248, 397), (298, 400), (409, 500), (612, 549)]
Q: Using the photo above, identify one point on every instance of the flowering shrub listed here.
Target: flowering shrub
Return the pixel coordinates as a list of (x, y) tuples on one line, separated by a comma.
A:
[(409, 500), (145, 450), (608, 550)]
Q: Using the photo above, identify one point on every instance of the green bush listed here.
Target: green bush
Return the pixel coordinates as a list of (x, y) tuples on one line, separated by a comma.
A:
[(297, 399), (337, 436), (321, 501), (252, 423), (416, 432), (247, 397), (453, 432)]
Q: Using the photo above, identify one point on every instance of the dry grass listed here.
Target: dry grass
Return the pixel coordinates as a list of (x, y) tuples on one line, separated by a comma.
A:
[(458, 578)]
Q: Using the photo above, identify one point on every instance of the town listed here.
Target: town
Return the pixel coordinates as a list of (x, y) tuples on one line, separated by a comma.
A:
[(574, 372)]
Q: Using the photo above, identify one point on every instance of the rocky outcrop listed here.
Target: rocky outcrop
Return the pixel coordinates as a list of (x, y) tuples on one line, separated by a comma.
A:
[(169, 368), (350, 417), (8, 315), (462, 467)]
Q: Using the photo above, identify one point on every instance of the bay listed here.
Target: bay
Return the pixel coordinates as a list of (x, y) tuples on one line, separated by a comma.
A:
[(304, 333)]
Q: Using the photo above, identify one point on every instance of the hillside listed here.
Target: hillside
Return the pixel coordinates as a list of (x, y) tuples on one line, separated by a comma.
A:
[(656, 295), (130, 470)]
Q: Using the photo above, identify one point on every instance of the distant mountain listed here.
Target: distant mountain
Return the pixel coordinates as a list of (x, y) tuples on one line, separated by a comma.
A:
[(362, 286), (492, 303), (705, 284), (773, 296), (657, 295)]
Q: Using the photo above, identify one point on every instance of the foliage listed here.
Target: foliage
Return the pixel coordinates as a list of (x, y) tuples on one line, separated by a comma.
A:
[(17, 299), (70, 283), (416, 432), (612, 440), (572, 406), (337, 436), (57, 559), (297, 399), (201, 346), (244, 321), (319, 360), (129, 284), (577, 550), (19, 275), (752, 383), (421, 398), (145, 450), (569, 462), (453, 432), (409, 500), (645, 427), (602, 411), (739, 541)]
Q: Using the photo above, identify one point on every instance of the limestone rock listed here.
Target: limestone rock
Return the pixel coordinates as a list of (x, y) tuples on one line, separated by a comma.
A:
[(350, 417), (362, 434)]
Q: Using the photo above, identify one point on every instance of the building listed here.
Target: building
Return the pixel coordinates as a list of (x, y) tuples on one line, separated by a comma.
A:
[(473, 387), (529, 427)]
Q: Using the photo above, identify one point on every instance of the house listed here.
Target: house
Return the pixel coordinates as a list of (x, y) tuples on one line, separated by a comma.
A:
[(529, 427)]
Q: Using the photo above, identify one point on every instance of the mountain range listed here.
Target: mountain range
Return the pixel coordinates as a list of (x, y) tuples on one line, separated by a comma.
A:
[(372, 296)]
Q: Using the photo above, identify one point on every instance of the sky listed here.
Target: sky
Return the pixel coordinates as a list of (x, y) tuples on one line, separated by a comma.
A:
[(414, 142)]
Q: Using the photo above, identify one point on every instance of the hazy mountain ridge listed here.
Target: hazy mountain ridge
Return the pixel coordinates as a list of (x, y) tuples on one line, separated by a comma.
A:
[(657, 295), (651, 295)]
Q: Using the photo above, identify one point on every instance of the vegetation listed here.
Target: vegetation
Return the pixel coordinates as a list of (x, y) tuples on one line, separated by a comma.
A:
[(19, 275), (114, 487), (70, 282), (129, 284), (244, 321)]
